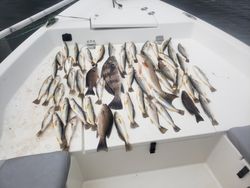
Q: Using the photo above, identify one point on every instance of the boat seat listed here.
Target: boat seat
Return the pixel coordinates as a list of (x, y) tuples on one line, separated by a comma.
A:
[(36, 171), (240, 137)]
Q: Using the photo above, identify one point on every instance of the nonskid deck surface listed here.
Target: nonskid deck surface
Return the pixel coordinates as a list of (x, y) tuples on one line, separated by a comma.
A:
[(191, 176), (22, 118)]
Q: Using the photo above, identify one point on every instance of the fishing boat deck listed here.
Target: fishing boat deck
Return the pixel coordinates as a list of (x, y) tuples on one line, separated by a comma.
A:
[(222, 57)]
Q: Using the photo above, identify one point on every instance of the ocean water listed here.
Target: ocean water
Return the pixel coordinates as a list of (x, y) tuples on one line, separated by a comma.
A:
[(229, 15)]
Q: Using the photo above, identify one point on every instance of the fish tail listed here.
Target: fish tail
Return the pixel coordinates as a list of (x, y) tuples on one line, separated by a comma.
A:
[(214, 122), (57, 108), (37, 101), (87, 126), (63, 145), (135, 61), (65, 76), (81, 95), (116, 103), (94, 127), (75, 65), (90, 91), (130, 89), (169, 97), (144, 114), (66, 148), (124, 72), (198, 118), (208, 100), (196, 100), (99, 101), (187, 60), (212, 89), (181, 112), (128, 146), (162, 129), (39, 133), (45, 103), (134, 125), (72, 92), (176, 128), (176, 91), (102, 145)]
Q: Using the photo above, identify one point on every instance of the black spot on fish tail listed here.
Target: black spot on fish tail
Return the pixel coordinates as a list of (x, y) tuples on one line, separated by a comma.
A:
[(37, 101), (102, 145), (198, 118), (45, 103), (162, 129), (134, 125), (39, 133), (144, 115), (90, 91), (81, 95), (214, 122), (130, 89), (128, 146), (116, 103), (212, 89), (99, 101), (176, 128), (181, 112)]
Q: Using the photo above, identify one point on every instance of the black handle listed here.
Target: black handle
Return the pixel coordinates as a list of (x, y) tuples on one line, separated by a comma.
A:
[(152, 147), (243, 172)]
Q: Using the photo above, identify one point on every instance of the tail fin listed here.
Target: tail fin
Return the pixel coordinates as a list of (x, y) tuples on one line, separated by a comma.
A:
[(214, 122), (187, 60), (87, 126), (39, 133), (130, 89), (162, 129), (169, 97), (212, 89), (65, 76), (57, 108), (128, 146), (90, 91), (45, 103), (116, 103), (180, 112), (196, 100), (37, 101), (124, 72), (72, 92), (198, 118), (134, 125), (99, 101), (94, 127), (102, 145), (81, 95), (144, 114), (176, 128), (60, 68)]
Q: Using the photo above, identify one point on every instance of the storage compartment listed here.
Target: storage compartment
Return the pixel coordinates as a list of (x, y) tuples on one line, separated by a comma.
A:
[(209, 162)]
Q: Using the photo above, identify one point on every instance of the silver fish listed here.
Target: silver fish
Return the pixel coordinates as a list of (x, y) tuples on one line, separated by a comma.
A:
[(167, 71), (75, 54), (90, 113), (178, 83), (130, 78), (44, 89), (151, 52), (189, 88), (203, 78), (80, 83), (130, 49), (98, 54), (141, 83), (141, 102), (206, 108), (54, 68), (167, 60), (70, 130), (85, 58), (130, 111), (60, 58), (164, 45), (182, 64), (153, 115), (111, 49), (164, 113), (52, 89), (99, 90), (65, 50), (164, 80), (71, 81), (122, 131), (198, 87), (172, 54), (59, 93), (67, 66), (59, 130), (183, 52), (46, 121), (65, 111)]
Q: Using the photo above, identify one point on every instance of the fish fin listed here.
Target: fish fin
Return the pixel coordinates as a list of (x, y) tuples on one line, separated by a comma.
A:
[(90, 91), (66, 148), (124, 72), (128, 146), (122, 88), (169, 97), (57, 108), (72, 92), (87, 126), (60, 68), (150, 97), (208, 100), (176, 128), (63, 145), (196, 100), (145, 115), (116, 103), (134, 125), (102, 145), (81, 95), (135, 60), (75, 65), (214, 122), (187, 60), (39, 133), (99, 101), (198, 118), (45, 103), (176, 91), (212, 89), (180, 112), (94, 127), (130, 89), (163, 129), (37, 101), (65, 76), (108, 89)]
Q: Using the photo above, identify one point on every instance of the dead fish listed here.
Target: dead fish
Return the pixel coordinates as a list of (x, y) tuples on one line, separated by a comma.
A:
[(122, 131), (99, 90), (182, 64), (172, 54), (164, 45), (65, 111), (130, 78), (153, 115), (71, 81), (167, 71), (110, 74), (164, 80), (59, 130), (76, 108), (85, 58), (44, 89), (52, 89), (167, 60), (190, 106), (65, 50), (111, 49), (60, 59), (47, 120), (130, 111), (91, 79), (70, 130), (178, 83), (75, 54), (189, 88), (54, 69), (67, 66), (104, 127), (203, 78), (141, 102), (164, 113), (98, 54), (206, 108), (183, 52), (130, 50), (80, 83), (90, 113), (165, 103), (198, 87), (59, 93), (150, 50)]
